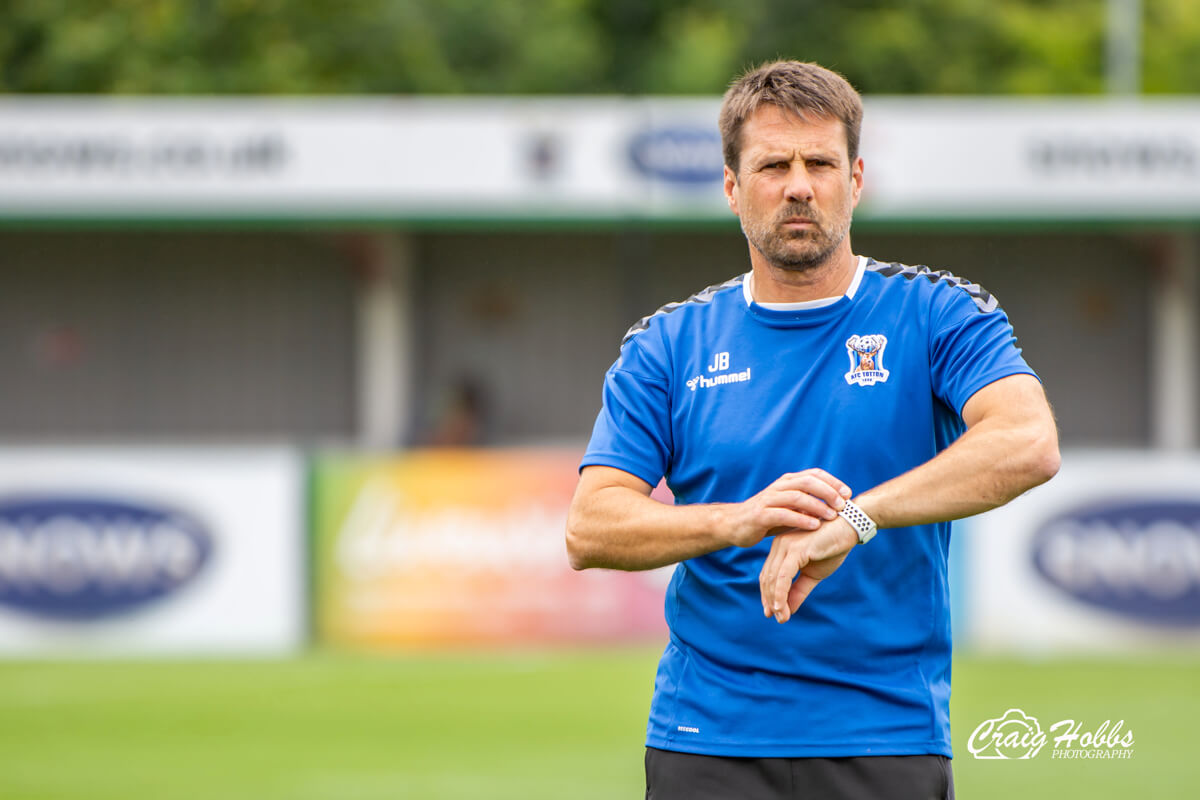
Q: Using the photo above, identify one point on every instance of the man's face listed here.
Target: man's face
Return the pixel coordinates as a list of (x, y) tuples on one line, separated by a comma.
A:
[(795, 190)]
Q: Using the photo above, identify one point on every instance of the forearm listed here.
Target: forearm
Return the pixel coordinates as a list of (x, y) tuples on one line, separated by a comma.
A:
[(620, 528), (614, 522), (992, 463)]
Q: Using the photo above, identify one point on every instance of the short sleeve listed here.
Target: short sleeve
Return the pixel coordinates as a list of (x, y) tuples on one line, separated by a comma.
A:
[(971, 346), (633, 430)]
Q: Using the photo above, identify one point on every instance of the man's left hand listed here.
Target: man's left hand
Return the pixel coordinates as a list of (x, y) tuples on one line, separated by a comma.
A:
[(798, 561)]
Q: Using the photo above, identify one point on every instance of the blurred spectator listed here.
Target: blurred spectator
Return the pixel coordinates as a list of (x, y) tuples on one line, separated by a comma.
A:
[(462, 420)]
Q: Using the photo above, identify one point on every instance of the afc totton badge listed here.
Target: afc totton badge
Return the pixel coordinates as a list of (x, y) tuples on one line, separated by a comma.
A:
[(866, 359)]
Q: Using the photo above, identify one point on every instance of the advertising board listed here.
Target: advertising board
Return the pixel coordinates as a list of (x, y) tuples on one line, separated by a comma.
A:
[(463, 547), (140, 550), (575, 158), (1105, 557)]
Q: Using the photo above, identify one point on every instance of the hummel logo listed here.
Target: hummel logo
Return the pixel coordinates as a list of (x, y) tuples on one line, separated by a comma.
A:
[(720, 361)]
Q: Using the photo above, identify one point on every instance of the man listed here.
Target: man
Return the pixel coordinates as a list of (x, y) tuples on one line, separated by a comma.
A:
[(794, 411)]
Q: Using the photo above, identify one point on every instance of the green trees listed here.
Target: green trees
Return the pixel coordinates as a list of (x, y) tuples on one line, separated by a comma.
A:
[(574, 46)]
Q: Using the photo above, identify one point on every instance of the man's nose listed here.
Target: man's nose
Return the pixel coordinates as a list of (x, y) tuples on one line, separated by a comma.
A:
[(799, 186)]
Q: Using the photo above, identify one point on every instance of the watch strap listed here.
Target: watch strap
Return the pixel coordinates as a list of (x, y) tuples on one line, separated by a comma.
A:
[(863, 525)]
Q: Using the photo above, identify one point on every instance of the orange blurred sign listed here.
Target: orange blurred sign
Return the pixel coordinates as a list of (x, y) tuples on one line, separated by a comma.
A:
[(462, 546)]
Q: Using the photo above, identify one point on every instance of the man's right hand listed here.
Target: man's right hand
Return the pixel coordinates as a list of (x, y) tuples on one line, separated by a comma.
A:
[(615, 524), (795, 501)]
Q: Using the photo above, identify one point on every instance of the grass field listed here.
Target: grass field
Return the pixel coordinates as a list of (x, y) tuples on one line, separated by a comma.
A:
[(488, 726)]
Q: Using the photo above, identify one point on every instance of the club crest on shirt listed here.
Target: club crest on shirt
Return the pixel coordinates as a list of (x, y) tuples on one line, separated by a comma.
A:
[(866, 359)]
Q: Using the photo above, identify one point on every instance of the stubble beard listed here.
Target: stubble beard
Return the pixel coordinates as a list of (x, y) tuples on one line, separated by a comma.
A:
[(799, 250)]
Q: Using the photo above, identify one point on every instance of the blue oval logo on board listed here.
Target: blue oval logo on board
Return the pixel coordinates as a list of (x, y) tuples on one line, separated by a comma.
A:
[(1139, 559), (678, 155), (76, 558)]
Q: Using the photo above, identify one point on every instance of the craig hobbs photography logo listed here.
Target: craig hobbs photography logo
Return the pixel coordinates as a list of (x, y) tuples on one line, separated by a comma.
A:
[(1017, 735)]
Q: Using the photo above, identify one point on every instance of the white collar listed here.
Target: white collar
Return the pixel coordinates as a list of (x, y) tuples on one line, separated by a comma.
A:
[(747, 291)]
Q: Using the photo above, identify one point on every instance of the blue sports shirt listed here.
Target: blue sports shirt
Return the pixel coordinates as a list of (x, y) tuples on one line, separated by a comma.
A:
[(722, 396)]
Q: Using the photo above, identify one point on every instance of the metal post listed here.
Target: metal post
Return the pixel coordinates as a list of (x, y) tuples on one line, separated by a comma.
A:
[(1174, 346), (1124, 47), (385, 346)]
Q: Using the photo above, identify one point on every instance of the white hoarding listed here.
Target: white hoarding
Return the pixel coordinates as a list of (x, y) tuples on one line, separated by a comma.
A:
[(574, 158), (947, 158), (1105, 557), (415, 158), (131, 551)]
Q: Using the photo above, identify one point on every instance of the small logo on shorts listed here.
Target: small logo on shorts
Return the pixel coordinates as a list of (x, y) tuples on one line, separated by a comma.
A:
[(687, 729), (866, 359)]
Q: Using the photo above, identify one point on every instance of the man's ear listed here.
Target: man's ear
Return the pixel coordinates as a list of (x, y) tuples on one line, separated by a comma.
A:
[(731, 190), (856, 176)]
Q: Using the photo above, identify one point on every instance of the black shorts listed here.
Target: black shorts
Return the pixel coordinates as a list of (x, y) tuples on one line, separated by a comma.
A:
[(684, 776)]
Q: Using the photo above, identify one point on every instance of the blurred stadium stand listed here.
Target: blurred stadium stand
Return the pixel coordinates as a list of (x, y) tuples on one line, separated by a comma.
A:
[(333, 284)]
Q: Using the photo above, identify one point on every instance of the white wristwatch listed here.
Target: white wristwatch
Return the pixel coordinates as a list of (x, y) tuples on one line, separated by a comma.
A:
[(863, 525)]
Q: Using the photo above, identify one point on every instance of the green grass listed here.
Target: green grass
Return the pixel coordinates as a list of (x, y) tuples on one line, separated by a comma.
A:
[(1158, 698), (496, 726)]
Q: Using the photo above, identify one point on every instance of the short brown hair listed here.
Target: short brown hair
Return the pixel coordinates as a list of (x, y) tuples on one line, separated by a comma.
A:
[(804, 89)]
